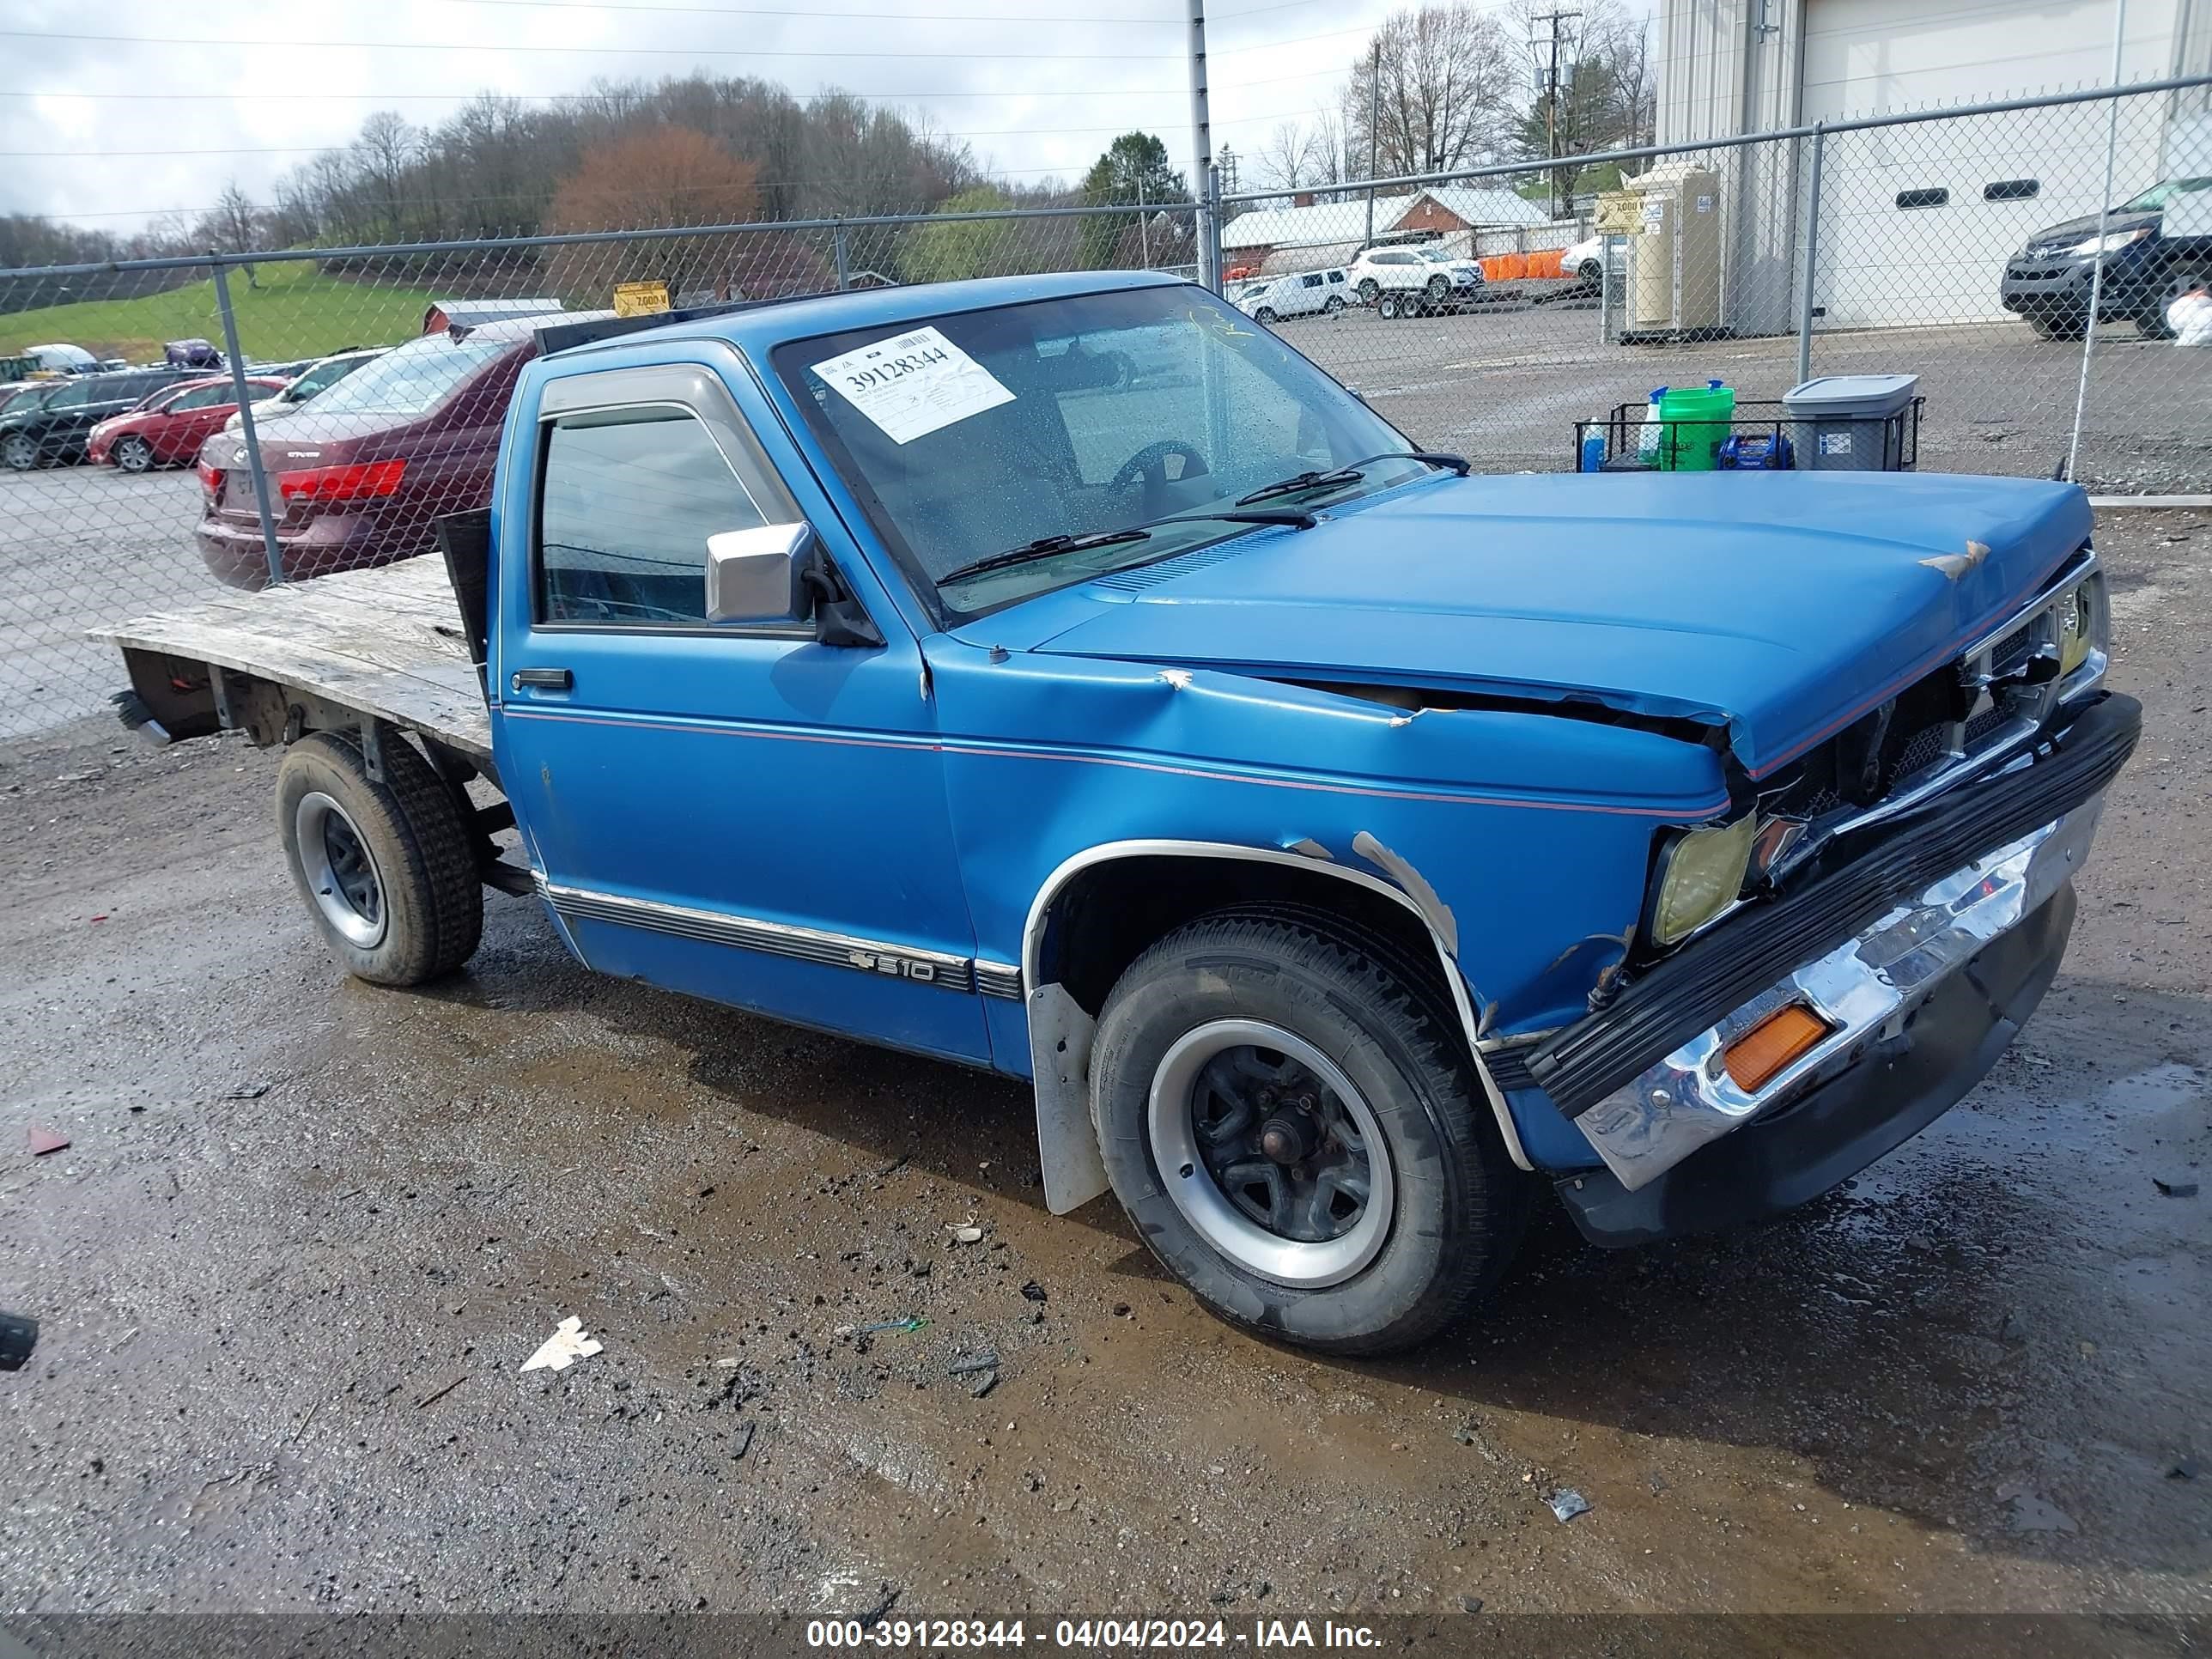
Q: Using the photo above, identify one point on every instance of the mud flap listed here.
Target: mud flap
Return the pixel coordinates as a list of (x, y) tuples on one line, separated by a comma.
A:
[(1060, 1035)]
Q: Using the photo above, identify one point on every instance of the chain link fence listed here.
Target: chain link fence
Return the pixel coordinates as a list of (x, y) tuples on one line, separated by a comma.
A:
[(1477, 311)]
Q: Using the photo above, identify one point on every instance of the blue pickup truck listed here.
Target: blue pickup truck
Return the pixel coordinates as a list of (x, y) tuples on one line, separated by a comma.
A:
[(1064, 677)]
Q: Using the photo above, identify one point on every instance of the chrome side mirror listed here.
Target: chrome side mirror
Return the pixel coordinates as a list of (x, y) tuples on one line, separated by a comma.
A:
[(759, 575)]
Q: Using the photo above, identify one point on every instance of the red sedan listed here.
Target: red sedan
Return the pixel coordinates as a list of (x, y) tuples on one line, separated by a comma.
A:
[(169, 427)]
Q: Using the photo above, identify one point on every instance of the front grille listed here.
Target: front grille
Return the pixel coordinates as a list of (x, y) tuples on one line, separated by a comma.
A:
[(1924, 750), (2012, 650), (1986, 725)]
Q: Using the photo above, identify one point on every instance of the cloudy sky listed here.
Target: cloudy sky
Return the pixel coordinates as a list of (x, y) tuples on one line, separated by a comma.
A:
[(170, 102)]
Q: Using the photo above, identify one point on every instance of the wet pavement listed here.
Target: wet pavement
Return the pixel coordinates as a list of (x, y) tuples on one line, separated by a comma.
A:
[(307, 1231)]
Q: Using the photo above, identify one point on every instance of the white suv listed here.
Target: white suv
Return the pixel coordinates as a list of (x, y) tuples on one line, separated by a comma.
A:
[(1428, 274), (1305, 294)]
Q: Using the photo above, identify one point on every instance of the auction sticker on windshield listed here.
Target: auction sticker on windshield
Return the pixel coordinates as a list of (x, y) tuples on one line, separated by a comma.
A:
[(914, 384)]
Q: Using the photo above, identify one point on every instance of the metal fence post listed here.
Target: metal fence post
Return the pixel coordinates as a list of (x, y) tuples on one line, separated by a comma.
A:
[(1212, 255), (1812, 258), (2097, 259), (237, 359), (837, 248)]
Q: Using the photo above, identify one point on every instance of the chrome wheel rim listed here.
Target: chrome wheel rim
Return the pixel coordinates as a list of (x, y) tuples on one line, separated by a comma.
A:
[(132, 456), (1270, 1153), (341, 874)]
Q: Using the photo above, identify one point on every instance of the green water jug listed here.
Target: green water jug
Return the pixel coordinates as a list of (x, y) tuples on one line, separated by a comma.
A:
[(1697, 420)]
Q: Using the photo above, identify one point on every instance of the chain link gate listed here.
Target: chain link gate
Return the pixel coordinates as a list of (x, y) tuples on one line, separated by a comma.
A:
[(1943, 245)]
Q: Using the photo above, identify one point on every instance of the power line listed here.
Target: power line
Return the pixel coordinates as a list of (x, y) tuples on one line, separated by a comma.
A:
[(815, 13), (590, 52), (563, 97)]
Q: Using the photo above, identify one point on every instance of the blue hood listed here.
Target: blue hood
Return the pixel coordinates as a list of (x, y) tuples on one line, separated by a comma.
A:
[(1781, 604)]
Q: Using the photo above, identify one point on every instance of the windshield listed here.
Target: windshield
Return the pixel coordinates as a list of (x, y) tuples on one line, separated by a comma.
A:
[(2155, 199), (410, 380), (322, 377), (986, 431)]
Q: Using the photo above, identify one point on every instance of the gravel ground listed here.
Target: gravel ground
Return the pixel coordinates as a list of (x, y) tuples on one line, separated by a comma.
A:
[(307, 1231)]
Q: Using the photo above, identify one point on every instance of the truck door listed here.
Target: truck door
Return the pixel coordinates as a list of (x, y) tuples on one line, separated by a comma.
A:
[(740, 812)]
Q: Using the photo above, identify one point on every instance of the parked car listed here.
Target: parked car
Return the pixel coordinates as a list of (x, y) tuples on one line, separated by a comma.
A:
[(1586, 260), (1438, 280), (54, 429), (1302, 294), (168, 427), (1345, 882), (2148, 266), (63, 359), (319, 376), (359, 472), (14, 390)]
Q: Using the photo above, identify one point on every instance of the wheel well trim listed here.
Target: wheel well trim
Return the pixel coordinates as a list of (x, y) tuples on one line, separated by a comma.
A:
[(1115, 851)]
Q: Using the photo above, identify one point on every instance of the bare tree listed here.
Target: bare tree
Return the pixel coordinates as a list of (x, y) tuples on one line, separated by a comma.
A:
[(386, 145), (1285, 161), (235, 224), (660, 176), (1435, 88)]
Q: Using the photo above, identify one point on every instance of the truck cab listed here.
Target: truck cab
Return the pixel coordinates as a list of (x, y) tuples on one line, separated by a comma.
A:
[(1062, 676)]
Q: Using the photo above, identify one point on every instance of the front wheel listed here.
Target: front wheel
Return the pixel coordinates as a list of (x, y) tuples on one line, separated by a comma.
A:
[(2057, 325), (1265, 316), (388, 870), (2151, 324), (134, 455), (1369, 288), (1292, 1126), (19, 453), (1438, 287)]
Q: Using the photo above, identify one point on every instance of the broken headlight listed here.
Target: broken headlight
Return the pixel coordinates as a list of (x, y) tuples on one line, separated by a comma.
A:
[(1700, 873), (2082, 625)]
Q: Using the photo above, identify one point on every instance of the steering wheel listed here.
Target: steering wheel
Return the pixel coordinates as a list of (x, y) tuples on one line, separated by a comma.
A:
[(1149, 464)]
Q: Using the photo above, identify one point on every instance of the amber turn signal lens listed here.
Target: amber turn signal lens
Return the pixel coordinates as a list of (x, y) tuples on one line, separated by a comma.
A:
[(1761, 1054)]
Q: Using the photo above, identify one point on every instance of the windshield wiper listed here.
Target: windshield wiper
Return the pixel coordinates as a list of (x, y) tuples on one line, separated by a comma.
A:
[(1350, 473), (1046, 547)]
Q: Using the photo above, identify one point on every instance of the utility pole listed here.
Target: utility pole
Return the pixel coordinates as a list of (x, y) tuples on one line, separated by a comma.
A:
[(1374, 124), (1201, 155), (1548, 51)]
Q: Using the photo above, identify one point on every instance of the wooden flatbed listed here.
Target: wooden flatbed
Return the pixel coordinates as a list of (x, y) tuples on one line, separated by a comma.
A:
[(382, 645)]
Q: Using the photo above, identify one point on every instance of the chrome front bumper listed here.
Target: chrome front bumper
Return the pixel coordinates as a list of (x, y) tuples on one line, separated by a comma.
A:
[(1866, 990)]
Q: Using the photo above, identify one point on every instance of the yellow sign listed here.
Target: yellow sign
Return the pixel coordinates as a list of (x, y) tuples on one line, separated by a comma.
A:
[(1620, 213), (640, 299)]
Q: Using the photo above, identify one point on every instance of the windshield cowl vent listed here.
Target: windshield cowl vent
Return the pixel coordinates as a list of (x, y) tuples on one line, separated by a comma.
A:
[(1151, 576)]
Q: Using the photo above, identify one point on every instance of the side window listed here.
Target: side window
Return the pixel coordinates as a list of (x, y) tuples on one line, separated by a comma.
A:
[(1309, 282), (1336, 278), (206, 396), (75, 395), (629, 496)]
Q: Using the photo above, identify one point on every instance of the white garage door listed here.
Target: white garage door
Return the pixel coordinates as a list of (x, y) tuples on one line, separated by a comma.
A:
[(1917, 220)]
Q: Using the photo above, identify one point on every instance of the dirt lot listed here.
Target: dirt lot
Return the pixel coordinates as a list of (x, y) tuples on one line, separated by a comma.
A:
[(307, 1231)]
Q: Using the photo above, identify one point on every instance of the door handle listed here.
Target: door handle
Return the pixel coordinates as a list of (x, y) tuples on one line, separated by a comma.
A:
[(545, 680)]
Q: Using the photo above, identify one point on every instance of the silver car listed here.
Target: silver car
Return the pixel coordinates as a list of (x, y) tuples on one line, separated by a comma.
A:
[(1302, 294)]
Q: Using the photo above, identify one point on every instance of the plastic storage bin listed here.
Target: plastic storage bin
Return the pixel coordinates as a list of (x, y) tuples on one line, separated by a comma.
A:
[(1852, 422)]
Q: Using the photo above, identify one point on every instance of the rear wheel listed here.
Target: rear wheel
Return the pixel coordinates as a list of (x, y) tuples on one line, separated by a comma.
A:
[(1438, 289), (1265, 316), (388, 870), (1588, 270), (19, 453), (1388, 307), (1292, 1127), (134, 455), (1368, 288)]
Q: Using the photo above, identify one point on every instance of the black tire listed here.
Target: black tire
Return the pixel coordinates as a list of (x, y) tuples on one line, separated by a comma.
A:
[(19, 453), (2151, 323), (1335, 305), (426, 913), (1456, 1205), (133, 455), (1265, 316), (1370, 290), (1438, 289), (1588, 270), (2057, 325)]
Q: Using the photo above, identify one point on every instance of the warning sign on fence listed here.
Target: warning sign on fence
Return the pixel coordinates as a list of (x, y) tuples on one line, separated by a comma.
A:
[(1620, 213)]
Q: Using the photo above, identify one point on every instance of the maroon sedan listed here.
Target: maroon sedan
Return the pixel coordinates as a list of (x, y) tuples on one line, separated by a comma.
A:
[(168, 427), (358, 476)]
